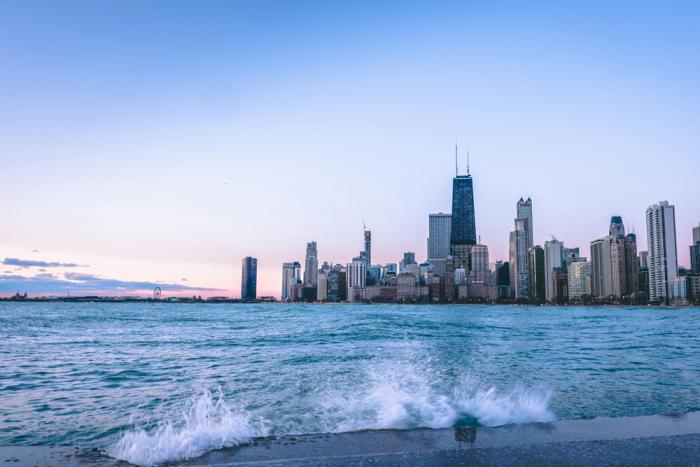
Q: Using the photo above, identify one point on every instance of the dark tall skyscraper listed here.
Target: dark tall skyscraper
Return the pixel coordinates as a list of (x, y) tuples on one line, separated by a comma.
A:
[(249, 279), (368, 247), (536, 271), (463, 230)]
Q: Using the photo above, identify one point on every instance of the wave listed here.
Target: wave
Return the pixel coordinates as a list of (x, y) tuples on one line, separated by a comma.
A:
[(405, 397), (206, 423), (410, 390)]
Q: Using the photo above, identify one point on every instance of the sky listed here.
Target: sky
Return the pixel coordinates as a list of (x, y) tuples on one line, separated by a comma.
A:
[(149, 144)]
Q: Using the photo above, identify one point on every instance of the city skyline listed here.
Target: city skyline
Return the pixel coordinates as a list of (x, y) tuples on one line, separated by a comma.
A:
[(126, 170)]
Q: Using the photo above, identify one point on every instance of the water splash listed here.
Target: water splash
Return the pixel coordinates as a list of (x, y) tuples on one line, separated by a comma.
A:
[(493, 408), (204, 424), (410, 394)]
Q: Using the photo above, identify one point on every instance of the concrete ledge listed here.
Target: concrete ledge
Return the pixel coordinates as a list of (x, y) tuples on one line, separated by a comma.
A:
[(650, 440)]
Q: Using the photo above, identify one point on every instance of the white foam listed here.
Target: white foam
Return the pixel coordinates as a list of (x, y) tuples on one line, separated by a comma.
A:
[(491, 408), (405, 394), (206, 423)]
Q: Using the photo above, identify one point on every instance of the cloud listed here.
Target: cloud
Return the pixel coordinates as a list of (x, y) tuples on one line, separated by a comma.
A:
[(87, 284), (30, 263)]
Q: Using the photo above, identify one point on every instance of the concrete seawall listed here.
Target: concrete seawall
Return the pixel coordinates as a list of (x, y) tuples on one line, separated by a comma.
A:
[(649, 440)]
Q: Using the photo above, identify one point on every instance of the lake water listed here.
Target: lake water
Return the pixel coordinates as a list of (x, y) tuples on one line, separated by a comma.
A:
[(155, 382)]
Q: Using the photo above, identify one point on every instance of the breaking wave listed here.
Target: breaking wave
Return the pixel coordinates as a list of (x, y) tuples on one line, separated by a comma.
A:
[(405, 398), (408, 391), (204, 424)]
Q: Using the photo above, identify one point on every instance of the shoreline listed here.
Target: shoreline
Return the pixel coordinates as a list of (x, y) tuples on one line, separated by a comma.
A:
[(277, 302), (645, 440)]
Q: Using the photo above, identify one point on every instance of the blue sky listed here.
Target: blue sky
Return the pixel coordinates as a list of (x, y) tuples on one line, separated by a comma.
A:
[(161, 141)]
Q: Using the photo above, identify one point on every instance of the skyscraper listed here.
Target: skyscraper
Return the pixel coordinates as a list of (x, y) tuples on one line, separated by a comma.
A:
[(503, 279), (553, 259), (536, 272), (663, 258), (631, 267), (368, 247), (311, 265), (290, 277), (463, 227), (519, 271), (614, 263), (249, 279), (524, 211), (601, 273), (439, 227)]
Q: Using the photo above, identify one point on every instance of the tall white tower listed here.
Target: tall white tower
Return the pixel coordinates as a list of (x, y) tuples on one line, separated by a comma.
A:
[(663, 257)]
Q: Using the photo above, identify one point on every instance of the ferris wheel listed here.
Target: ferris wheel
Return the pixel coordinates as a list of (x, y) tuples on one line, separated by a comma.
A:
[(156, 293)]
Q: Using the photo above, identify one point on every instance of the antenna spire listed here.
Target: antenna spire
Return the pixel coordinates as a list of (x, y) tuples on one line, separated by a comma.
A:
[(456, 166)]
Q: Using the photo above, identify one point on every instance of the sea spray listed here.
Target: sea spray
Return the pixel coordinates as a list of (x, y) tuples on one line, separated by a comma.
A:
[(205, 423), (411, 390), (493, 408)]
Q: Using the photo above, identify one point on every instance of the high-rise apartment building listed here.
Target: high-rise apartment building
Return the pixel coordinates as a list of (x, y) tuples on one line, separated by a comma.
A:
[(536, 272), (249, 278), (311, 265), (290, 277), (439, 227), (601, 273), (480, 263), (553, 259), (463, 227), (579, 279), (663, 258), (357, 273)]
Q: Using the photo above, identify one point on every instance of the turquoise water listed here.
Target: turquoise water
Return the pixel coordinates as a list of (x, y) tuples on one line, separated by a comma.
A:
[(156, 382)]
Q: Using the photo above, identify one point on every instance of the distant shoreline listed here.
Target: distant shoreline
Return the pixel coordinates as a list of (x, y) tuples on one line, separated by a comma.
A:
[(187, 300)]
